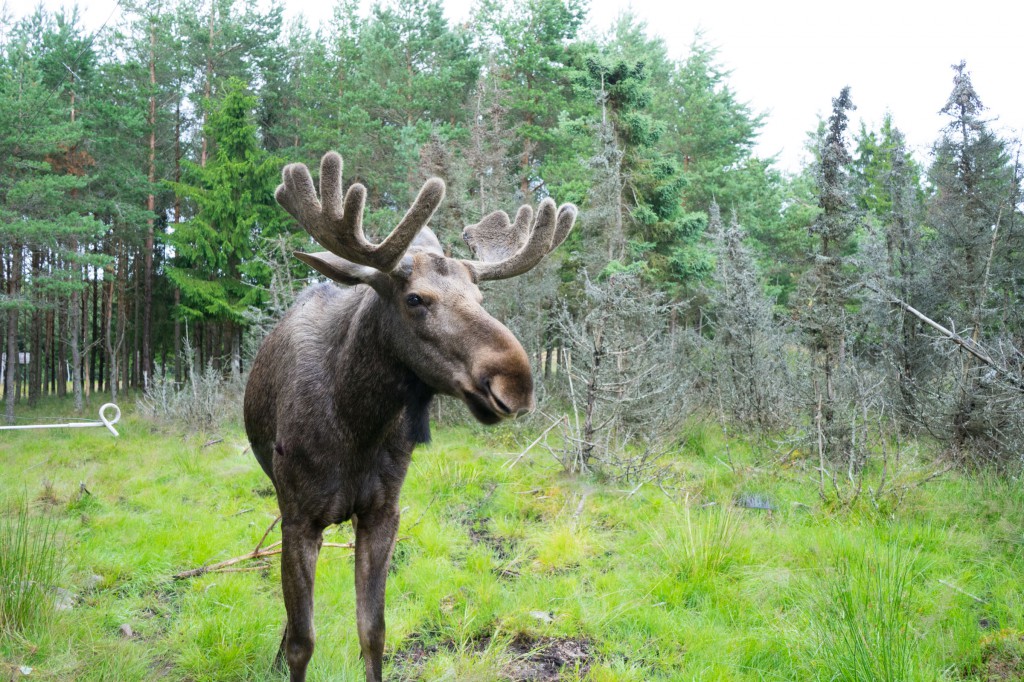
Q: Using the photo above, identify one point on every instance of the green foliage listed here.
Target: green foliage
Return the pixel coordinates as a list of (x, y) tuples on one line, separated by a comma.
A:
[(233, 194), (874, 170), (532, 48), (44, 181)]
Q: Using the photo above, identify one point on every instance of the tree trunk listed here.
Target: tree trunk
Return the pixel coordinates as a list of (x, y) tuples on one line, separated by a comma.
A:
[(75, 323), (108, 344), (136, 349), (177, 220), (95, 360), (61, 370), (207, 86), (236, 350), (10, 378), (177, 337), (35, 376), (49, 356), (147, 277), (122, 313)]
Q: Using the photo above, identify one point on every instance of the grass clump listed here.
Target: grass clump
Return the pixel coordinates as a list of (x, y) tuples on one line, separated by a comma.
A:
[(30, 565), (862, 619), (700, 542)]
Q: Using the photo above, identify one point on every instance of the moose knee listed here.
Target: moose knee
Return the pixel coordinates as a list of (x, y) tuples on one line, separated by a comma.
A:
[(298, 648)]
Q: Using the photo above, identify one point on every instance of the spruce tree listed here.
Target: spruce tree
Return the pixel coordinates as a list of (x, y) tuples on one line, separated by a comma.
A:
[(747, 348), (974, 275), (823, 294), (233, 197)]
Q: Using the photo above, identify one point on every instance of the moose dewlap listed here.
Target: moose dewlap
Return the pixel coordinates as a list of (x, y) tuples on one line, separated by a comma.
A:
[(339, 393)]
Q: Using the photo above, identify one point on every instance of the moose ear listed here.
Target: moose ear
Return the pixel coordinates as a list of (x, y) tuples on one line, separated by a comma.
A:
[(341, 270)]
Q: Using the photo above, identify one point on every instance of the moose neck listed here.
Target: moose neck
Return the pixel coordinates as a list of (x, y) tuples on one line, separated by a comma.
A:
[(363, 354)]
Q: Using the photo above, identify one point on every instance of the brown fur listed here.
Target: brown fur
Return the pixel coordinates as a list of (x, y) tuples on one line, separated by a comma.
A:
[(340, 391)]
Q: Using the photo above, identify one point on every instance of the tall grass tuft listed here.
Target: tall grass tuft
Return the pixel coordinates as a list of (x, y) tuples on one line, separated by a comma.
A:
[(708, 538), (31, 561), (702, 541), (862, 619)]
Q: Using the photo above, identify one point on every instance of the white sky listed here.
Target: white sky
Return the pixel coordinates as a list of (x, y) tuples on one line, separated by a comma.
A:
[(789, 58)]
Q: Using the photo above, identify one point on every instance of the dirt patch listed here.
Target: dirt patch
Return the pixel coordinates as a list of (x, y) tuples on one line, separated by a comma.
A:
[(410, 658), (1003, 664), (546, 658), (479, 534), (504, 548), (541, 659), (1002, 657)]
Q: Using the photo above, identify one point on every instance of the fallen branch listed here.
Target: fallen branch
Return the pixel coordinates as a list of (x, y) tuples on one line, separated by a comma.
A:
[(266, 533), (258, 553), (964, 592), (970, 345), (512, 462)]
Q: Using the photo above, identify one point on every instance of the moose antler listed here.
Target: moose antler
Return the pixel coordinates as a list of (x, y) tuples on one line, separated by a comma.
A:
[(504, 250), (338, 226)]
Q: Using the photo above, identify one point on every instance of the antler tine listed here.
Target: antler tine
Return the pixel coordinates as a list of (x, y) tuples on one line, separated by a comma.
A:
[(501, 262), (394, 246), (338, 225)]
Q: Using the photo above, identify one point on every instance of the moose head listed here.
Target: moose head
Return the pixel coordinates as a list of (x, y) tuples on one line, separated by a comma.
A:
[(436, 323)]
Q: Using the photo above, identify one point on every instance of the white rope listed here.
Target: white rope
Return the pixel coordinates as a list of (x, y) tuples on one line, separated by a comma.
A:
[(104, 421)]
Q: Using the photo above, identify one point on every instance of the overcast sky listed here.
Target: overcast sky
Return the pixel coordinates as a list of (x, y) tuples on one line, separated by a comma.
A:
[(790, 58)]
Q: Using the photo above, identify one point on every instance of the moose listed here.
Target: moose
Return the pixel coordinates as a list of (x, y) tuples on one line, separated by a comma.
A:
[(340, 390)]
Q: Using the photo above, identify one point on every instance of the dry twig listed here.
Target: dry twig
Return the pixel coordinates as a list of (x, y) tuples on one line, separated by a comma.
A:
[(258, 553)]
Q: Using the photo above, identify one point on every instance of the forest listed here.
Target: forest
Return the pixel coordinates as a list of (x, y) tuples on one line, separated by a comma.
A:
[(852, 330), (138, 212)]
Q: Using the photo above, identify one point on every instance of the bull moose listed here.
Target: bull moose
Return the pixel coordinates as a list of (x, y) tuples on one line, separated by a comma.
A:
[(340, 391)]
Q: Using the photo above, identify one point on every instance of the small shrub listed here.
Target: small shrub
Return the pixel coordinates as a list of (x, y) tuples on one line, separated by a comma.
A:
[(626, 398), (202, 402), (31, 561)]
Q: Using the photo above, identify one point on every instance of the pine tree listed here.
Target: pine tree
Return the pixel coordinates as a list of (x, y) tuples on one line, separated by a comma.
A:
[(43, 177), (530, 58)]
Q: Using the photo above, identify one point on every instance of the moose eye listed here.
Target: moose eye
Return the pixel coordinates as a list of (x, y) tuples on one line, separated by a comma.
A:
[(413, 300)]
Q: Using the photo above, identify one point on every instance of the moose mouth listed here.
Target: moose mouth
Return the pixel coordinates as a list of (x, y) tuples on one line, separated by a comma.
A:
[(485, 406)]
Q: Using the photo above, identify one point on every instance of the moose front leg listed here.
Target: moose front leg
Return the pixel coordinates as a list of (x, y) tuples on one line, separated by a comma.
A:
[(375, 540), (300, 548)]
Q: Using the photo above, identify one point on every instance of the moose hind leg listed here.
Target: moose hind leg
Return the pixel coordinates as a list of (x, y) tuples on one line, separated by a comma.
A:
[(375, 540), (300, 548)]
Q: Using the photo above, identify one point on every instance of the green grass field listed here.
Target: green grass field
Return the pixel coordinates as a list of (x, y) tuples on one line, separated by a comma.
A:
[(506, 573)]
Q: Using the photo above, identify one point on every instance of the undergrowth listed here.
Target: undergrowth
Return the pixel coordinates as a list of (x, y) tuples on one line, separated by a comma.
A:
[(507, 568)]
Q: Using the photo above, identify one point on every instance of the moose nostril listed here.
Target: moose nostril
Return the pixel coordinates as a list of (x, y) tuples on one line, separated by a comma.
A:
[(486, 383), (501, 406)]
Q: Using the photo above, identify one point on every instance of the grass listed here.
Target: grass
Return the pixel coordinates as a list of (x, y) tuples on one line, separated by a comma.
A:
[(30, 568), (862, 620), (517, 573)]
